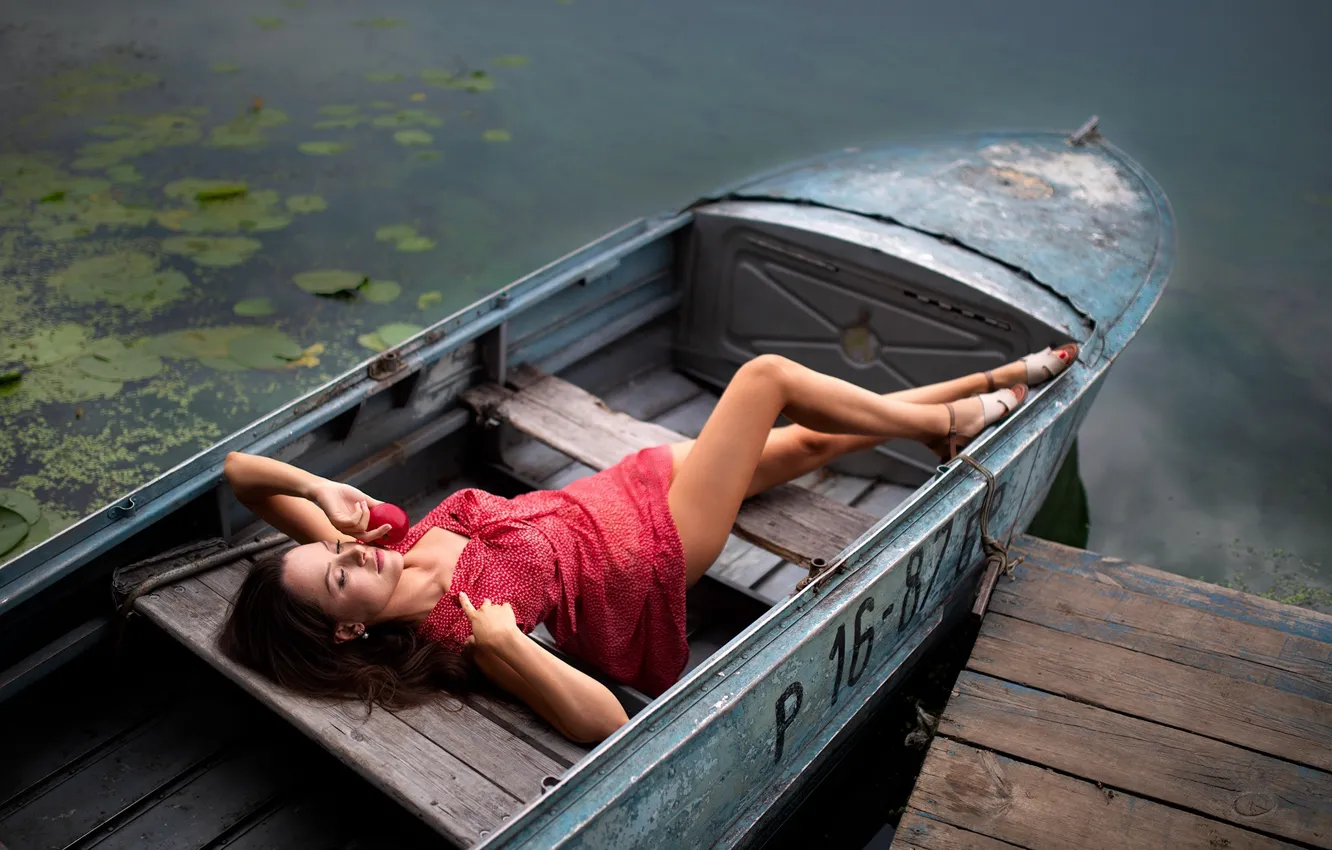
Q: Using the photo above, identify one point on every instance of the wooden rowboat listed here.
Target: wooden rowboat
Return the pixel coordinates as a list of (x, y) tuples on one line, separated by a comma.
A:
[(889, 267)]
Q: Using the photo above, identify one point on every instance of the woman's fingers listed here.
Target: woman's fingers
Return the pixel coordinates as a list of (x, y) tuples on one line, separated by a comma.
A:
[(466, 604), (374, 534)]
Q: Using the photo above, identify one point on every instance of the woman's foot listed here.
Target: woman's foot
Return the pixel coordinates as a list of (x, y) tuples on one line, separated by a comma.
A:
[(969, 416), (1033, 369)]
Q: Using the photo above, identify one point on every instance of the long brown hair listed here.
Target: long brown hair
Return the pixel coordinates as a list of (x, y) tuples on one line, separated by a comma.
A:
[(291, 642)]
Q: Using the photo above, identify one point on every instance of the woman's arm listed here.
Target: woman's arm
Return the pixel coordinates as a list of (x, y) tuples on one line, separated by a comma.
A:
[(578, 706), (281, 495)]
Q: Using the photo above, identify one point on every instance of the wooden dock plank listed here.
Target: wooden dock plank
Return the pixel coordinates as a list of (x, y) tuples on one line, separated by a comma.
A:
[(441, 789), (1210, 777), (1027, 806), (790, 521), (1222, 601), (1159, 627), (917, 832), (1264, 719)]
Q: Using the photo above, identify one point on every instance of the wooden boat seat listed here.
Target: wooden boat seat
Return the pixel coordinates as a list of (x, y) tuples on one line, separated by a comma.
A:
[(464, 767), (794, 522)]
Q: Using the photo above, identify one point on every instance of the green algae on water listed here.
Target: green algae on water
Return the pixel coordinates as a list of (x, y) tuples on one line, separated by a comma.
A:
[(348, 123), (268, 22), (323, 148), (413, 137), (20, 503), (213, 251), (496, 136), (252, 307), (47, 347), (98, 84), (381, 23), (426, 299), (512, 60)]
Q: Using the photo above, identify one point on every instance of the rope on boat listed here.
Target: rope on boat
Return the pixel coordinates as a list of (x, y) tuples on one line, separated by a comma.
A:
[(193, 568), (997, 561)]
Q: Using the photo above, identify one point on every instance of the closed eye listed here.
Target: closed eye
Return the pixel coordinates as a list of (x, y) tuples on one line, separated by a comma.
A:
[(342, 579)]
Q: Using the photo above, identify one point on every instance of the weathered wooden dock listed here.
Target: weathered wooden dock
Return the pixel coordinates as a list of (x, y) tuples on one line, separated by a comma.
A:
[(1112, 705)]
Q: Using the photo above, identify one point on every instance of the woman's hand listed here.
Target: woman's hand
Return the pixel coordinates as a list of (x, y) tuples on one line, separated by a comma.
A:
[(491, 624), (348, 509)]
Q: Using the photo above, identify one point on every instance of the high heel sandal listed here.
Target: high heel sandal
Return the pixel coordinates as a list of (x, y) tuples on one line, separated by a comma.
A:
[(1047, 365), (994, 406)]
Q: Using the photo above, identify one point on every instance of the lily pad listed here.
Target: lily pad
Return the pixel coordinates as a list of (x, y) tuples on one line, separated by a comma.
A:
[(418, 97), (408, 118), (124, 173), (513, 60), (50, 346), (221, 206), (381, 23), (329, 281), (476, 81), (225, 67), (213, 251), (306, 203), (125, 278), (268, 22), (347, 123), (388, 336), (380, 291), (20, 503), (197, 189), (339, 110), (65, 383), (207, 345), (110, 360), (413, 137), (265, 348), (496, 136), (323, 148), (425, 299), (12, 529), (254, 307), (395, 232), (140, 136), (415, 244), (247, 130), (37, 532), (384, 77)]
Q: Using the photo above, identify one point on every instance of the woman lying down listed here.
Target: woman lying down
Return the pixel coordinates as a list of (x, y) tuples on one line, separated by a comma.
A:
[(604, 562)]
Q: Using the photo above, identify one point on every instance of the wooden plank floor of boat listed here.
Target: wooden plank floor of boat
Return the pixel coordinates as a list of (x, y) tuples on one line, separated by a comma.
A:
[(465, 767), (1108, 705)]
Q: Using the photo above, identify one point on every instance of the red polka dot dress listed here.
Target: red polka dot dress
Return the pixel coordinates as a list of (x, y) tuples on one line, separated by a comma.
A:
[(599, 562)]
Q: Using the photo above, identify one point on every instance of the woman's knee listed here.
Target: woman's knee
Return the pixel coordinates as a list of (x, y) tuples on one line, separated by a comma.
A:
[(765, 368)]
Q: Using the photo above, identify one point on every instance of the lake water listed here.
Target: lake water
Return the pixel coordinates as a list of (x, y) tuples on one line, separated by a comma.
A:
[(1204, 455)]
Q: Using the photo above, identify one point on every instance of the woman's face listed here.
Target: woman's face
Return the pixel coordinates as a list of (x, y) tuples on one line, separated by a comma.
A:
[(350, 582)]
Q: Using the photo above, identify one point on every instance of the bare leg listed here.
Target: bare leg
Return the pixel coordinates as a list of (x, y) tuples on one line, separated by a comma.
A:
[(716, 474), (794, 450)]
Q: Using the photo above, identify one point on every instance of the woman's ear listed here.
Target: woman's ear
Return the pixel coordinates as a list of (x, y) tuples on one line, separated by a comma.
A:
[(347, 631)]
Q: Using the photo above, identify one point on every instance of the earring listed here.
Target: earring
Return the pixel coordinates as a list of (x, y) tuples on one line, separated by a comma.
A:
[(365, 634)]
